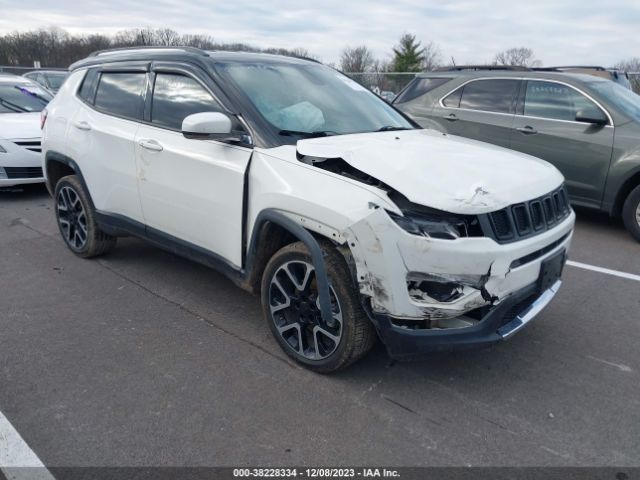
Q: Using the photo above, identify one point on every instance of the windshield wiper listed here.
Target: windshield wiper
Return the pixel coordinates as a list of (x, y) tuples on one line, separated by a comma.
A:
[(391, 128), (33, 94), (12, 106), (296, 133)]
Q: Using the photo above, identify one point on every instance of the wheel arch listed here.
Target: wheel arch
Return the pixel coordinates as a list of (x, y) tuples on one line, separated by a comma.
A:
[(631, 182), (56, 166), (272, 231)]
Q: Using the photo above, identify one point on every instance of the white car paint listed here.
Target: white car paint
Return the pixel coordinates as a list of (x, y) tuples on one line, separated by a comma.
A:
[(192, 190), (17, 129), (449, 173)]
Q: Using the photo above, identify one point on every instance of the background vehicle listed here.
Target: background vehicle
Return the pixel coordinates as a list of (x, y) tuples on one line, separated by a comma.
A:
[(305, 187), (588, 127), (52, 80), (21, 102), (612, 74)]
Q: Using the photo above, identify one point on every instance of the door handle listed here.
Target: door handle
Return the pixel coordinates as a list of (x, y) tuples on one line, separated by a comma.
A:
[(451, 117), (82, 125), (152, 145), (527, 130)]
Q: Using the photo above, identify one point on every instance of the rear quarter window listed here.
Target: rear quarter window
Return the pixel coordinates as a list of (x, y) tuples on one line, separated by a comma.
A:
[(419, 87)]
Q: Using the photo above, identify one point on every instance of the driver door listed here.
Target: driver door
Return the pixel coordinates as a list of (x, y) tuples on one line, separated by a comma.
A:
[(190, 189)]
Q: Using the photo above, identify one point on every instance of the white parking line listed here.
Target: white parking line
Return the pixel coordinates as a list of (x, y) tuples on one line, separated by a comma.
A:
[(17, 460), (608, 271)]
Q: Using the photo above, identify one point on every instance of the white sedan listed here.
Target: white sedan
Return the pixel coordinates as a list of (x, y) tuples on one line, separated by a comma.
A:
[(21, 102)]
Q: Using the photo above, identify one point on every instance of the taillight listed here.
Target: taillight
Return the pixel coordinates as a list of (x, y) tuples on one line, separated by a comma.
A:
[(43, 118)]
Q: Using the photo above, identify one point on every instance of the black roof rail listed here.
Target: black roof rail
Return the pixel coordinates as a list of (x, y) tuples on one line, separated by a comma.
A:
[(108, 51), (459, 68), (570, 67)]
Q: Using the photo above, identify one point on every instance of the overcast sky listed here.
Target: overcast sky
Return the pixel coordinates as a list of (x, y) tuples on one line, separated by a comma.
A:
[(559, 32)]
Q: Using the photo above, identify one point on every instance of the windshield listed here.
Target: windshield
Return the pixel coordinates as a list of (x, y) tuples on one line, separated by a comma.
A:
[(21, 98), (56, 79), (312, 100), (623, 99)]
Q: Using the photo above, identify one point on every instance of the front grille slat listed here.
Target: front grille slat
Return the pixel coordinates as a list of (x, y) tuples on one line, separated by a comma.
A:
[(34, 146), (523, 220), (23, 172)]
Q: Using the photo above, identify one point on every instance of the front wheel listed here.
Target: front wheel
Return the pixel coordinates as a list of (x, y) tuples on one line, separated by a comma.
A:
[(291, 306), (631, 213), (76, 220)]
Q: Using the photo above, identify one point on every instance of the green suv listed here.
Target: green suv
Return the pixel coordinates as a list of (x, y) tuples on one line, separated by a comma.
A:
[(588, 127)]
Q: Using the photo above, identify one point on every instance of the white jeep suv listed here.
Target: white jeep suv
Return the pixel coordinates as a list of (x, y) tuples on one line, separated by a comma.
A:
[(350, 221)]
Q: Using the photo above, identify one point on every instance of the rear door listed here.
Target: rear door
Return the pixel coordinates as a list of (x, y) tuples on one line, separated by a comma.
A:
[(545, 127), (190, 189), (102, 134), (481, 109)]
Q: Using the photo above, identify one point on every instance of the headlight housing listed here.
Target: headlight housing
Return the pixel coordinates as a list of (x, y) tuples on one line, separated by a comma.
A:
[(432, 223), (437, 224)]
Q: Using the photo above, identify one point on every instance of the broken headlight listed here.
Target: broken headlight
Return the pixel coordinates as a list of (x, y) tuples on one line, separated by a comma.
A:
[(446, 226)]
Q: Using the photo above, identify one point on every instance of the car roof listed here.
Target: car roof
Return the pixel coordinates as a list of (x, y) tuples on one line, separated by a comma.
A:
[(183, 53), (10, 78), (544, 75), (63, 72)]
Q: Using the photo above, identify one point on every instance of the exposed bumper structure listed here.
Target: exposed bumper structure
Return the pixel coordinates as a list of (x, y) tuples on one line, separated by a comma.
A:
[(499, 324), (474, 291)]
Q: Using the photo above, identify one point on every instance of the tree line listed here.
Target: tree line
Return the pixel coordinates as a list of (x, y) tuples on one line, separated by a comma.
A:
[(55, 47)]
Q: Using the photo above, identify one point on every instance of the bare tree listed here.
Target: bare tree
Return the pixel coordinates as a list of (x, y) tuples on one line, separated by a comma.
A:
[(517, 57), (432, 57), (357, 60), (631, 65)]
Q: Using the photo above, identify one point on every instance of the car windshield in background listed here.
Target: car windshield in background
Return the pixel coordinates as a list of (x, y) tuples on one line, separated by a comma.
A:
[(312, 100), (22, 98), (56, 79), (623, 98)]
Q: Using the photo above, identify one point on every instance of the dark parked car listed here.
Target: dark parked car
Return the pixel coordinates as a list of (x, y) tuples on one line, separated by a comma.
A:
[(587, 126), (52, 80)]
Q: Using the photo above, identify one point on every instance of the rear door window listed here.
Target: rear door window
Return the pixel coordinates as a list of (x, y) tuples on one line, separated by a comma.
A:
[(121, 94), (490, 95), (419, 87), (175, 97)]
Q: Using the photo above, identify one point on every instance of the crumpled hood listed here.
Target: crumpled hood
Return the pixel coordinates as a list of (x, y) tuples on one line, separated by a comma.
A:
[(445, 172), (15, 126)]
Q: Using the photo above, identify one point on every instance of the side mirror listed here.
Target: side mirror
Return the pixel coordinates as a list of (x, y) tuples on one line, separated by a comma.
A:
[(207, 125), (593, 116)]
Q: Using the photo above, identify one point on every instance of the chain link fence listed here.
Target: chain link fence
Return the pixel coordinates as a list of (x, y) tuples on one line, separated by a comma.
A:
[(383, 83)]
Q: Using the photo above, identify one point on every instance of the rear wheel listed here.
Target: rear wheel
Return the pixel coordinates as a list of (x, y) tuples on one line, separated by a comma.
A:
[(76, 220), (291, 306), (631, 213)]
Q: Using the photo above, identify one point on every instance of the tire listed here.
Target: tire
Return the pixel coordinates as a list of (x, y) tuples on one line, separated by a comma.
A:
[(355, 332), (76, 220), (631, 213)]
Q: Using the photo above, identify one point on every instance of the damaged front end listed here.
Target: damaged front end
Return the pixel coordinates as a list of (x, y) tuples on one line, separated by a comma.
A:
[(435, 281)]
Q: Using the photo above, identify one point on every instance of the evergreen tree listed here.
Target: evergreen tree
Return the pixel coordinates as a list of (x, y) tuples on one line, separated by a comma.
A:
[(408, 55)]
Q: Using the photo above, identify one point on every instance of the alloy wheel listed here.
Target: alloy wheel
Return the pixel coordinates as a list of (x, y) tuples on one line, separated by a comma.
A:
[(72, 218), (295, 310)]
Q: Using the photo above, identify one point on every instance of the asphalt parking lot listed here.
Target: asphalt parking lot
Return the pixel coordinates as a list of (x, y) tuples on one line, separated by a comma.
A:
[(143, 358)]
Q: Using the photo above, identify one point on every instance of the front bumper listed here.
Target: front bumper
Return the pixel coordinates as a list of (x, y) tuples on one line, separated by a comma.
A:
[(21, 162), (500, 323)]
